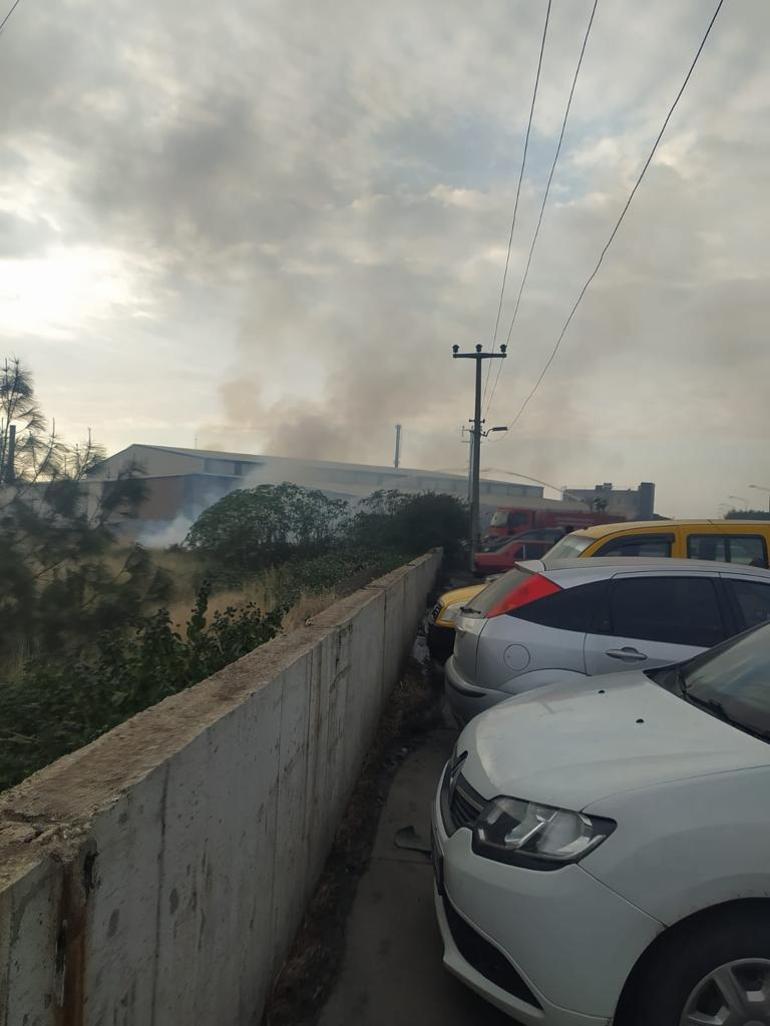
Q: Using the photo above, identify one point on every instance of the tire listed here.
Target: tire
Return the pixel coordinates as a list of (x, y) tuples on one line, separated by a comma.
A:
[(710, 966)]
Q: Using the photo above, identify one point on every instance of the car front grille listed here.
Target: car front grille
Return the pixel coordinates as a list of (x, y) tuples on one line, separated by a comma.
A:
[(460, 805), (465, 805)]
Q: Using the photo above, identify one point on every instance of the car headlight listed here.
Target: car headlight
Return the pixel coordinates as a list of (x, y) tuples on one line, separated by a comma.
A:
[(536, 836), (451, 613)]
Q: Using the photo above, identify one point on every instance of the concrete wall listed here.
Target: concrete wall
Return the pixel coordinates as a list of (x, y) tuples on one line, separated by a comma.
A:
[(157, 876)]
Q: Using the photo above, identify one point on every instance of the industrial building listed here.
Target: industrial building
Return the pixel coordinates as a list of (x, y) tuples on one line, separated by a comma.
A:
[(181, 483), (631, 503)]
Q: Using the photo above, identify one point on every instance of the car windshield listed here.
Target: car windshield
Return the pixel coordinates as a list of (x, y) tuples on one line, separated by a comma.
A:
[(734, 681), (493, 544), (570, 546)]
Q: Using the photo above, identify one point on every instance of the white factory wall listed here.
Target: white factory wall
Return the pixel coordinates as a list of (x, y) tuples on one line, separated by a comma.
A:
[(159, 875)]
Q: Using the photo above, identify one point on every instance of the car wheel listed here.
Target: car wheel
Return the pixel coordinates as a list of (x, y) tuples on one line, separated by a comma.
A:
[(715, 975)]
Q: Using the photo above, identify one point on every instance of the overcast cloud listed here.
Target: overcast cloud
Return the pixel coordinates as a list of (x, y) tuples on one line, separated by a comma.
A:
[(264, 224)]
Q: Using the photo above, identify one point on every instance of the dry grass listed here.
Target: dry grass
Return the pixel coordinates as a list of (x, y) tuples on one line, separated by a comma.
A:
[(263, 591), (306, 606), (187, 574)]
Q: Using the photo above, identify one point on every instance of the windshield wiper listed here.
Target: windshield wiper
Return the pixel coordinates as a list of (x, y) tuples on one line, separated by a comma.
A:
[(671, 678), (713, 705), (681, 681)]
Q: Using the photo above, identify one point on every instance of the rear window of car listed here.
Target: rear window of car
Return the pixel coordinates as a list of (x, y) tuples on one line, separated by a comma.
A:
[(673, 610), (746, 549), (573, 609), (571, 546), (495, 591)]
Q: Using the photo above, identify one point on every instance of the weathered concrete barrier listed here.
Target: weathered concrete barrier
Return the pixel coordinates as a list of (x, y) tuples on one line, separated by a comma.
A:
[(157, 876)]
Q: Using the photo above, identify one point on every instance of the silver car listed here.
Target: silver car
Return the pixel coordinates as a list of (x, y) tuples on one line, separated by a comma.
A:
[(549, 620)]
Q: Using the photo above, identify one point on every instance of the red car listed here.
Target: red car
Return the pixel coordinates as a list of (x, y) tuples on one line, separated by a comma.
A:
[(499, 554)]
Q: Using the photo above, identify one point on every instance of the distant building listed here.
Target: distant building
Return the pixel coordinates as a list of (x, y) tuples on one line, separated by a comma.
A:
[(182, 483), (631, 503)]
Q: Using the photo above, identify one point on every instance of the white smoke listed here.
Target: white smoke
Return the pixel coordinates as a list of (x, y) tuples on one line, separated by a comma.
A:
[(162, 535)]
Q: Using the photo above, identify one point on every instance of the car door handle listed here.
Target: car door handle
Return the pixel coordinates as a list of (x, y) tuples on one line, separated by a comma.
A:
[(626, 655)]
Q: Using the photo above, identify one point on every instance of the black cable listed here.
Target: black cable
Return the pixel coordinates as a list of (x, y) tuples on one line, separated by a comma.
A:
[(518, 187), (614, 232), (5, 19), (546, 193)]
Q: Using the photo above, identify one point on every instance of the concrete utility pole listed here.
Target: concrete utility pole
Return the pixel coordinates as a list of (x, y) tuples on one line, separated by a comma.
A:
[(477, 422), (469, 443), (397, 457)]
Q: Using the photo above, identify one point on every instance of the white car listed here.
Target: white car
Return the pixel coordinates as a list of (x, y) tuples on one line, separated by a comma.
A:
[(602, 850)]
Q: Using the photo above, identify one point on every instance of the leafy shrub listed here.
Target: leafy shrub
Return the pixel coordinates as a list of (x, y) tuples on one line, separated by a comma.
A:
[(329, 570), (56, 706), (259, 527), (301, 528), (410, 523)]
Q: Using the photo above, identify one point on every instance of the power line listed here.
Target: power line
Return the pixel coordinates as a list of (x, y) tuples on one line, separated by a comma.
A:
[(518, 187), (619, 221), (546, 193), (5, 19)]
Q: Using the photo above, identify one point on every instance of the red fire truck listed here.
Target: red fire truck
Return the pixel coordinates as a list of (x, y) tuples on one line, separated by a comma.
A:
[(508, 521)]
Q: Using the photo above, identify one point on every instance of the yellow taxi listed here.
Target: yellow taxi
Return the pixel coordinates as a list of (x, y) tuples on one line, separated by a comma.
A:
[(728, 541), (441, 622)]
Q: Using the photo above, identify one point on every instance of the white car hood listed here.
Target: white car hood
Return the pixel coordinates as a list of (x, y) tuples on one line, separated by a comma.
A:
[(569, 746)]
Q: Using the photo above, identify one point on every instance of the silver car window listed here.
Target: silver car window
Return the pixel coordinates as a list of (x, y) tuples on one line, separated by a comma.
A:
[(676, 610)]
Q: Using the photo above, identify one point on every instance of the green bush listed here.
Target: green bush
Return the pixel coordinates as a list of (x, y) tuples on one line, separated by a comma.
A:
[(331, 569), (286, 525), (56, 706), (410, 523), (258, 527)]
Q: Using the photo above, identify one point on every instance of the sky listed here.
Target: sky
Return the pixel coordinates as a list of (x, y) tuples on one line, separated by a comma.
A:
[(261, 226)]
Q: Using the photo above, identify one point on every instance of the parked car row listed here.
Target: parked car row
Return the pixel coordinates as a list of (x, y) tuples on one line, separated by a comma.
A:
[(601, 839), (744, 542)]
